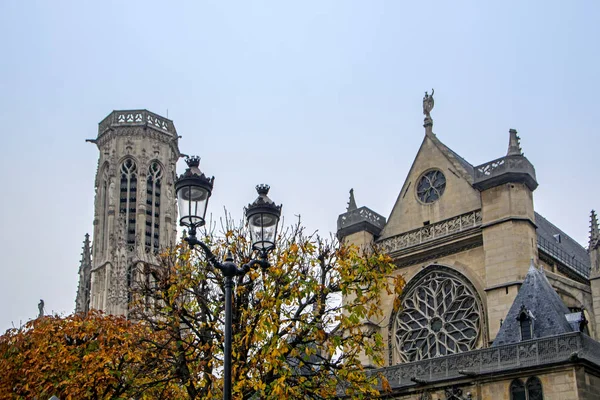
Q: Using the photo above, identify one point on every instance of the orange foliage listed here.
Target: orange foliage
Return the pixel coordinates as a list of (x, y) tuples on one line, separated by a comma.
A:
[(81, 357)]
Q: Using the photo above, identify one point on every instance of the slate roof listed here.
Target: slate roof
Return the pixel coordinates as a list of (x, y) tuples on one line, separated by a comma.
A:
[(568, 251), (454, 158), (542, 301)]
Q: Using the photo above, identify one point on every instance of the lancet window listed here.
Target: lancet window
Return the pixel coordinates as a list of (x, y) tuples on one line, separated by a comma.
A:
[(525, 324), (153, 189), (128, 198)]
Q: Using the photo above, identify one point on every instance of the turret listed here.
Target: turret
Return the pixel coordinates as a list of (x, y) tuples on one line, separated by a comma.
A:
[(359, 226), (508, 224)]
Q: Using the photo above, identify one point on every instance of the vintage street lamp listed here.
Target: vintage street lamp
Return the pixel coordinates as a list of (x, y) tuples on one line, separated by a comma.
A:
[(193, 190), (263, 218)]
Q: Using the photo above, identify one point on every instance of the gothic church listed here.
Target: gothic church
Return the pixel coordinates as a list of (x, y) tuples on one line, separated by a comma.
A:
[(499, 302)]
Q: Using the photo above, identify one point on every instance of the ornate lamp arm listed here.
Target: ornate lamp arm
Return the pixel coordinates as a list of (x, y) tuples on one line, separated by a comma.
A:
[(228, 268)]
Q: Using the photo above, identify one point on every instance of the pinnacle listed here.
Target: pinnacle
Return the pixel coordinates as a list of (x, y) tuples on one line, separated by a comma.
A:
[(514, 143), (594, 232), (351, 203)]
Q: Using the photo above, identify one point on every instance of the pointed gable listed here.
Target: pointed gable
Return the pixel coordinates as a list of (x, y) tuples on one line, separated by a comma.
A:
[(459, 196), (542, 303)]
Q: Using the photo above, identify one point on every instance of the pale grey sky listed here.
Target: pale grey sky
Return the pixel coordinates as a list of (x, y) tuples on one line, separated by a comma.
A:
[(312, 97)]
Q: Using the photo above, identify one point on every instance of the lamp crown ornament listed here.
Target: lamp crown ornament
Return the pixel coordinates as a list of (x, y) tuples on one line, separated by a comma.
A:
[(263, 200), (193, 170), (193, 161), (263, 189)]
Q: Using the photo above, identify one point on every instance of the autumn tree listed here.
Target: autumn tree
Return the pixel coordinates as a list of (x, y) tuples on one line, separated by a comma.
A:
[(293, 336), (91, 356)]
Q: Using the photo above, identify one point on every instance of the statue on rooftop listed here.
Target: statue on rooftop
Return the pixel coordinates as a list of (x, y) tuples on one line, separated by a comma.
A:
[(428, 104), (41, 308)]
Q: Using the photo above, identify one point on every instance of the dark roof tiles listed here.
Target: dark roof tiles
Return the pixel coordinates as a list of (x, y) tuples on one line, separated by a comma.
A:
[(541, 300)]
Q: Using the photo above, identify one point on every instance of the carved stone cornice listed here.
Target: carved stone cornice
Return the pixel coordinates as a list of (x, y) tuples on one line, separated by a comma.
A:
[(141, 131)]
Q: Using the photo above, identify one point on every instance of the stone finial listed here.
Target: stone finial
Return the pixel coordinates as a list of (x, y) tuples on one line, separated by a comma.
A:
[(428, 104), (351, 203), (594, 232), (514, 143)]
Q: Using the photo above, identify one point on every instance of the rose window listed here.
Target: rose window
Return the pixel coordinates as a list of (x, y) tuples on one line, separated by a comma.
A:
[(431, 186), (440, 314)]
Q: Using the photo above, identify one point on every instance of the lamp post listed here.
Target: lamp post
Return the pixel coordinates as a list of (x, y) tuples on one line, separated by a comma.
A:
[(193, 190)]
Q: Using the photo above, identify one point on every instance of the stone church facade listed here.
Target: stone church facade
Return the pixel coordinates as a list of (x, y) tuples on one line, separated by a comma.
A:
[(499, 302), (135, 212)]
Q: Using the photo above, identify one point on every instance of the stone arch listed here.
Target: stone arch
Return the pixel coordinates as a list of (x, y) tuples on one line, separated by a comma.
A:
[(441, 313)]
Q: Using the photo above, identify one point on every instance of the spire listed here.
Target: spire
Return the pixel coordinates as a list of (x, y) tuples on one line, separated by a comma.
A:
[(514, 143), (594, 232), (82, 300), (86, 256), (351, 203), (427, 107)]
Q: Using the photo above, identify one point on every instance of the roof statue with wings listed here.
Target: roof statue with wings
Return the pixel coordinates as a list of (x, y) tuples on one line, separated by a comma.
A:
[(427, 107), (428, 104)]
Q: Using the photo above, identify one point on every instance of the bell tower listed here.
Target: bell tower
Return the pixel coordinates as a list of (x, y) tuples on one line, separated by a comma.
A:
[(135, 208)]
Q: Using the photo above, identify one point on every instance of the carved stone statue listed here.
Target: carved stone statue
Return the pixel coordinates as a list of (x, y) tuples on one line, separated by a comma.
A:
[(428, 104), (41, 308), (111, 192)]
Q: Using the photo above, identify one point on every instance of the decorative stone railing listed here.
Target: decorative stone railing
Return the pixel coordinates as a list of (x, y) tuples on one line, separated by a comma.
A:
[(508, 168), (136, 118), (531, 353), (431, 232), (362, 214)]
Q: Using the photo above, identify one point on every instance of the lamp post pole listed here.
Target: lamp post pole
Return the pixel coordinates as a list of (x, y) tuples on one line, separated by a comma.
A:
[(193, 191)]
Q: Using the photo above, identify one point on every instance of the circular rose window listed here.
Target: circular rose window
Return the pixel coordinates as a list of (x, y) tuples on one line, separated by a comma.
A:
[(440, 314), (431, 186)]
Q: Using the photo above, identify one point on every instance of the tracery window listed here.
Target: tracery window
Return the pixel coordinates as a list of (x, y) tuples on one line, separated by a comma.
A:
[(431, 186), (154, 179), (532, 390), (128, 198), (441, 314)]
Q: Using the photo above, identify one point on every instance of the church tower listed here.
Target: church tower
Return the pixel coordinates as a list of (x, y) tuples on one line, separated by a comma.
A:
[(134, 209)]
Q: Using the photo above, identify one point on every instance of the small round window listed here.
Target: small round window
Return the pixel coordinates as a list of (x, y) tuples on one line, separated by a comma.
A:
[(431, 186)]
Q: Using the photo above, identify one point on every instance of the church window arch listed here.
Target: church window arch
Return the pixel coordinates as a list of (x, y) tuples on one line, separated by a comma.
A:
[(153, 190), (128, 197), (531, 390), (534, 389), (441, 314), (517, 390)]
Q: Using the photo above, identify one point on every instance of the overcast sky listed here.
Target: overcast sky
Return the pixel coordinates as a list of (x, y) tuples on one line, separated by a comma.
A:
[(311, 97)]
